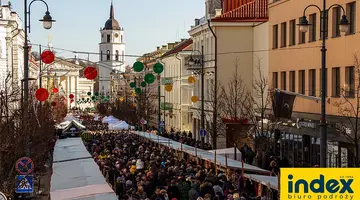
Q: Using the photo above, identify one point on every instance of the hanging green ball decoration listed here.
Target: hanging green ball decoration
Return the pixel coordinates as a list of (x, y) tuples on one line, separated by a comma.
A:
[(143, 84), (138, 90), (149, 78), (89, 93), (108, 96), (93, 97), (96, 94), (158, 68), (138, 66), (132, 84), (105, 100), (102, 97), (83, 99)]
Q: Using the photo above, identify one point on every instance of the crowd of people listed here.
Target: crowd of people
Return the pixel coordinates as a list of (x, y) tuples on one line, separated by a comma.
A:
[(139, 169)]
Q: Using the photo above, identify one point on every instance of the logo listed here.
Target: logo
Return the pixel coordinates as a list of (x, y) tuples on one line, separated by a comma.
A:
[(320, 183)]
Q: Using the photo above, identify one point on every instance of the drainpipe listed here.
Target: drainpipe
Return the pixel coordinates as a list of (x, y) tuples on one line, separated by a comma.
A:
[(179, 59), (160, 61)]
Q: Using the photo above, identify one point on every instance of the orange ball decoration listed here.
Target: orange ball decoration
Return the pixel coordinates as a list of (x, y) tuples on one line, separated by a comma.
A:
[(42, 94), (191, 79), (47, 57), (168, 87), (194, 99)]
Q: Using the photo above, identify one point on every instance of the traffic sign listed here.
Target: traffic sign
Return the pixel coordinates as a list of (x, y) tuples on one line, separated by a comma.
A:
[(24, 165), (162, 123), (2, 196), (202, 132), (24, 184), (143, 121)]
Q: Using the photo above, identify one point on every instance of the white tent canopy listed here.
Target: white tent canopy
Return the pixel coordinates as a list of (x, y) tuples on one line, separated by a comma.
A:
[(122, 125), (66, 124), (230, 152), (111, 120)]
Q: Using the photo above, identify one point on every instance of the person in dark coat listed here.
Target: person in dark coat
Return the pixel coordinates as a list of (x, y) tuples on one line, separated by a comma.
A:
[(173, 190)]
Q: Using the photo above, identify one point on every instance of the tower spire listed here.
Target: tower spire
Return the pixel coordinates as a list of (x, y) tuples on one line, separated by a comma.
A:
[(112, 10)]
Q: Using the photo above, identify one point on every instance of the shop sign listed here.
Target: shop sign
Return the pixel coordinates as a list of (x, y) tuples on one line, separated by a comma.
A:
[(165, 81), (304, 124)]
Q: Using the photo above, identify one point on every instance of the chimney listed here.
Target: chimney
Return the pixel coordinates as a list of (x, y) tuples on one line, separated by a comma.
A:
[(171, 45), (197, 22), (218, 12), (157, 48)]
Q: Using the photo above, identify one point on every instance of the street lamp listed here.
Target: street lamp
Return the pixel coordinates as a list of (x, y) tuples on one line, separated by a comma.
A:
[(194, 62), (304, 27), (47, 23)]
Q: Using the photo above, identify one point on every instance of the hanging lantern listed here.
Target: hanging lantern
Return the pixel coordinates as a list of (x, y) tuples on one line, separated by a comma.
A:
[(168, 87), (55, 90), (121, 99), (53, 104), (132, 84), (194, 99), (138, 90), (89, 93), (143, 84), (149, 78), (158, 68), (90, 73), (96, 94), (41, 94), (47, 57), (191, 79), (138, 66), (71, 96)]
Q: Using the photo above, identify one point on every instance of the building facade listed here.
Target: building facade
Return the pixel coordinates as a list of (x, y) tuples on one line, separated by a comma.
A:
[(242, 44), (179, 116), (295, 66), (112, 52)]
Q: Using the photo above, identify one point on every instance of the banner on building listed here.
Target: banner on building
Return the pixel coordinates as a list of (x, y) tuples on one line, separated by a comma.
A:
[(283, 104)]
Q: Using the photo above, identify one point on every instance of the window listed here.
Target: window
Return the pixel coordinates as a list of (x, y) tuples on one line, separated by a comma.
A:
[(122, 56), (301, 36), (302, 81), (350, 81), (312, 82), (336, 21), (275, 37), (351, 15), (283, 34), (117, 55), (275, 80), (283, 80), (326, 33), (122, 39), (108, 38), (312, 33), (326, 71), (101, 56), (336, 82), (108, 55), (292, 81), (292, 32)]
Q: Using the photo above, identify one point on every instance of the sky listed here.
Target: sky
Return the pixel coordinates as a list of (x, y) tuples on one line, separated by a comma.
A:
[(147, 23)]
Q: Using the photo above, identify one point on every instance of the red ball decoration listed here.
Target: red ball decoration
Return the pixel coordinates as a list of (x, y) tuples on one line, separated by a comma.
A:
[(90, 73), (72, 100), (55, 90), (41, 94), (47, 57), (71, 96), (53, 103)]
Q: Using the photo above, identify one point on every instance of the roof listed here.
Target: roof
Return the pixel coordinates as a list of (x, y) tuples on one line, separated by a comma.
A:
[(185, 45), (250, 11), (111, 23)]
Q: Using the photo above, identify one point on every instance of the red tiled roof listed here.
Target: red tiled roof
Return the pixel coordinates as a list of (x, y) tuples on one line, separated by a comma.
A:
[(244, 11), (183, 46)]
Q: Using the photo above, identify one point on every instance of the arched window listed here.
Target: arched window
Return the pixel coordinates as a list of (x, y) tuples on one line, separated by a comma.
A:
[(101, 55), (121, 38), (117, 55), (108, 55), (108, 39)]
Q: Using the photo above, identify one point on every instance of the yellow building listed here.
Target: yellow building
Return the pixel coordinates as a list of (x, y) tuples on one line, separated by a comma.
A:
[(294, 65)]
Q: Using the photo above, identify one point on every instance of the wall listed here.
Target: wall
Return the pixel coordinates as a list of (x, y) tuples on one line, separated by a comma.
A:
[(307, 56)]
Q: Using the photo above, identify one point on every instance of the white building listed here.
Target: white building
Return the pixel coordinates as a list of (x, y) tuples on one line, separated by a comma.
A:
[(11, 47), (242, 36), (175, 72), (112, 52)]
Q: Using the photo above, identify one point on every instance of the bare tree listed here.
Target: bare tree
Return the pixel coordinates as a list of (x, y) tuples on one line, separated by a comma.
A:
[(348, 108)]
